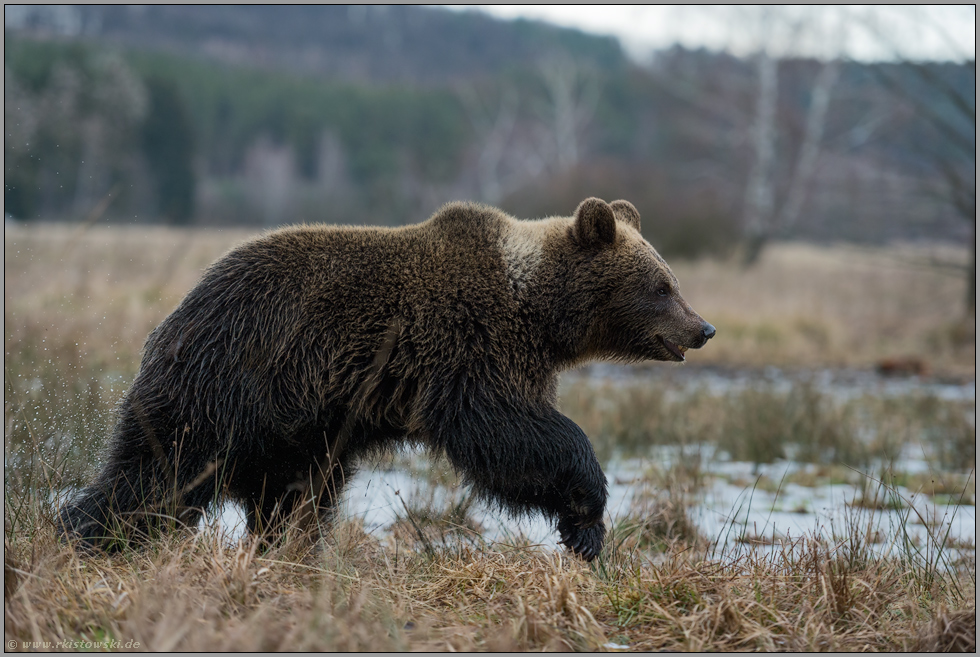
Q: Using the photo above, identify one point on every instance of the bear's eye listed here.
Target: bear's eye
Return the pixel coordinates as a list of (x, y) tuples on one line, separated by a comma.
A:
[(662, 291)]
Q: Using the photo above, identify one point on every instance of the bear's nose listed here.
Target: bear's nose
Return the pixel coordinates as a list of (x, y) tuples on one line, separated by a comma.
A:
[(708, 331)]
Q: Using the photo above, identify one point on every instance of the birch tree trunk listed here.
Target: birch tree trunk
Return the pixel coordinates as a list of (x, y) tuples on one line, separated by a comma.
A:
[(810, 150), (573, 95), (495, 129), (759, 195)]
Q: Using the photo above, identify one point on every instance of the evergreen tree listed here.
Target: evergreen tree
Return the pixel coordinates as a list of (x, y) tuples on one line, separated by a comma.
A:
[(168, 142)]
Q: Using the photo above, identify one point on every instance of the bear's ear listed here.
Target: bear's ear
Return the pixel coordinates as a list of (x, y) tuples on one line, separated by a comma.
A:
[(626, 212), (595, 223)]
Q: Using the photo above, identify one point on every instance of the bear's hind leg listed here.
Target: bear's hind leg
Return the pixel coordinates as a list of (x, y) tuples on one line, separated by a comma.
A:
[(138, 492), (280, 500), (267, 515)]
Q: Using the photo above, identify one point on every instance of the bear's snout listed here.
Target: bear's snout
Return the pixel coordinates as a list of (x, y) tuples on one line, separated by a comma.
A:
[(707, 332)]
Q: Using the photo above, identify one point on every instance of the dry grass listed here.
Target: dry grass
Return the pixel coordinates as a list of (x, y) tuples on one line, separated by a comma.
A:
[(358, 592), (101, 290), (761, 422), (807, 305)]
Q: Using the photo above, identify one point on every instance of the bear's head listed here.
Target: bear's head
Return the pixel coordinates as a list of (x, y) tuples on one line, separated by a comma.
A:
[(635, 310)]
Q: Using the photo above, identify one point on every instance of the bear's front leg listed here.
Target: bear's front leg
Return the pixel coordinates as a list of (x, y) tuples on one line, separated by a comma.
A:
[(526, 458)]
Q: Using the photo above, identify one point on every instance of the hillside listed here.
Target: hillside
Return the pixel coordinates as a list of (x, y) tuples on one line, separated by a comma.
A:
[(377, 43), (223, 115)]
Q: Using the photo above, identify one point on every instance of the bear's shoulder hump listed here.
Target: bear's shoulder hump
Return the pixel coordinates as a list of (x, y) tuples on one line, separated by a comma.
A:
[(466, 217)]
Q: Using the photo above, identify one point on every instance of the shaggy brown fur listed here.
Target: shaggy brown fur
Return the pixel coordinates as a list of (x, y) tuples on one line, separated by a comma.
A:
[(304, 349)]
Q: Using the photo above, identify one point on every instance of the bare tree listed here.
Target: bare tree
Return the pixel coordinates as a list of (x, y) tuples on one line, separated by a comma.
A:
[(763, 219), (813, 136), (271, 179), (573, 94), (759, 195), (494, 127), (950, 112)]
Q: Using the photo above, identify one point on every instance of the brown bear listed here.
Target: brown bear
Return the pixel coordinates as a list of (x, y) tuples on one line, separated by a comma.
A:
[(308, 347)]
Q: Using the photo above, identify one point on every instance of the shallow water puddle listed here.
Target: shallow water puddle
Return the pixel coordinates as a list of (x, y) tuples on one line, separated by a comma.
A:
[(733, 516), (840, 383)]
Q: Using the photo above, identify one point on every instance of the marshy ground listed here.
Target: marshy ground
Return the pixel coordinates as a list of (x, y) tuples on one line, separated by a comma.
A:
[(805, 482)]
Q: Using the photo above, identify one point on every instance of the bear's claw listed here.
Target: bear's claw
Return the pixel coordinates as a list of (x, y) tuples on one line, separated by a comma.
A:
[(585, 542)]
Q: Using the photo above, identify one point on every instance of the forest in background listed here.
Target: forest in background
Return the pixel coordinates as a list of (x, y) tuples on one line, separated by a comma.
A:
[(269, 115)]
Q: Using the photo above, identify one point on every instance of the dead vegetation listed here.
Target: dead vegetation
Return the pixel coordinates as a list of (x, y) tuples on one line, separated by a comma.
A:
[(806, 305), (354, 591)]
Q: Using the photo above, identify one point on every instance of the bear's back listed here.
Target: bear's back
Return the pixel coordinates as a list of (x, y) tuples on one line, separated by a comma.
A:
[(441, 277), (454, 248)]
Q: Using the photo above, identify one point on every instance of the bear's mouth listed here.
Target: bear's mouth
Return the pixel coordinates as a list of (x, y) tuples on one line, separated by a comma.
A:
[(675, 349)]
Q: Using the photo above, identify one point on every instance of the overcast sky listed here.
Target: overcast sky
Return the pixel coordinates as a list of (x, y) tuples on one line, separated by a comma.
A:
[(864, 32)]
